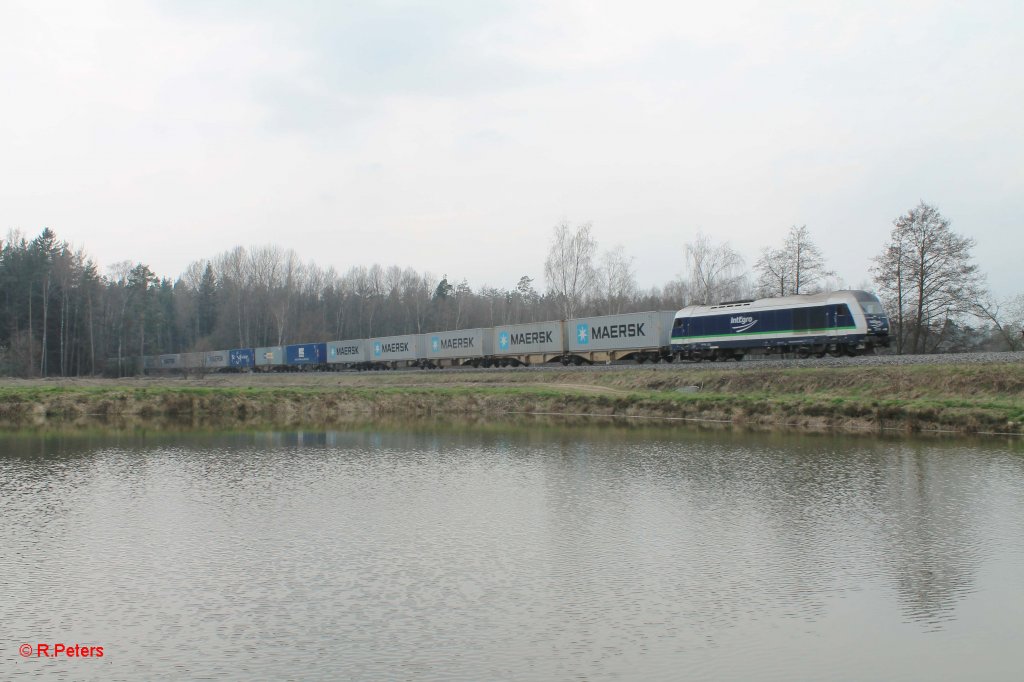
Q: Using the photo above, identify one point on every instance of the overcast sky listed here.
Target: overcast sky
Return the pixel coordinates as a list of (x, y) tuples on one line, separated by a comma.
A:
[(452, 136)]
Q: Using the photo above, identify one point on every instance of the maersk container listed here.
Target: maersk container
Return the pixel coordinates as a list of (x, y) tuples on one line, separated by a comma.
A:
[(620, 332), (170, 361), (462, 343), (395, 348), (305, 354), (241, 358), (348, 352), (269, 356), (527, 339)]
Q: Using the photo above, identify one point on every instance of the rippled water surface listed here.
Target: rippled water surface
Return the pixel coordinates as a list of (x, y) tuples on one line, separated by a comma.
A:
[(526, 552)]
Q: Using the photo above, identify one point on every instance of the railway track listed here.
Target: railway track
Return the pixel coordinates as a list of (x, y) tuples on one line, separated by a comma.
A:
[(764, 362)]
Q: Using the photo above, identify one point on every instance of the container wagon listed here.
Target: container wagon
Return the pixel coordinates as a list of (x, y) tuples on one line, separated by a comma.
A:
[(241, 359), (305, 356), (526, 344), (392, 352), (268, 358), (351, 354), (641, 337), (459, 347)]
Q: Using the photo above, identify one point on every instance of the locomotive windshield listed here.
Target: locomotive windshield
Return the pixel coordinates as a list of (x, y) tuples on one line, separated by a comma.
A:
[(869, 303), (872, 307)]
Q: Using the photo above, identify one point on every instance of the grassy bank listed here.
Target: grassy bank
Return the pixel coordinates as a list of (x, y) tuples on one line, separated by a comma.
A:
[(976, 398)]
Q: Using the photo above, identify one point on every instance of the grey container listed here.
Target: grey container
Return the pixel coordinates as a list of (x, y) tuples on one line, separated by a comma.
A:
[(620, 332), (170, 361), (526, 339), (461, 343), (395, 348), (192, 360), (215, 359), (269, 356), (347, 352)]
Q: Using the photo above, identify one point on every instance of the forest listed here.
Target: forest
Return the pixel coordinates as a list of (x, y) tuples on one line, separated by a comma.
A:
[(63, 316)]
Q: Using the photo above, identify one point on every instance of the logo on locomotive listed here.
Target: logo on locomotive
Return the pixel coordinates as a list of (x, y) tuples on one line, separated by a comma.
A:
[(742, 323)]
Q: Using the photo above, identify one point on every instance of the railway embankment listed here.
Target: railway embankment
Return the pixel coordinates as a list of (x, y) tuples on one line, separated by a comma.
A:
[(976, 398)]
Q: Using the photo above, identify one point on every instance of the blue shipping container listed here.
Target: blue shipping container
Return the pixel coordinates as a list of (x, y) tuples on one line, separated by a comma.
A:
[(306, 354), (241, 358)]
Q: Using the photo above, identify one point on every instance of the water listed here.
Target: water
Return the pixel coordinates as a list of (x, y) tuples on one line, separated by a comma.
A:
[(525, 552)]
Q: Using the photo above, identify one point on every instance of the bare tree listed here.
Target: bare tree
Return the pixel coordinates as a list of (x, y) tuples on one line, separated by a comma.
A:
[(926, 277), (715, 270), (616, 280), (569, 267), (1006, 317), (796, 268)]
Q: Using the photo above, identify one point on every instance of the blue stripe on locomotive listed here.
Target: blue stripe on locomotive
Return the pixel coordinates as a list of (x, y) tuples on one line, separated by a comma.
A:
[(752, 326), (305, 354), (242, 358)]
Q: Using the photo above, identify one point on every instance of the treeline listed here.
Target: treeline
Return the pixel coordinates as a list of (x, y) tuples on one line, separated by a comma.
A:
[(62, 317)]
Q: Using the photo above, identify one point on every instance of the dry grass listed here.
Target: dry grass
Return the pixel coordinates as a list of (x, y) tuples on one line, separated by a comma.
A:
[(964, 398)]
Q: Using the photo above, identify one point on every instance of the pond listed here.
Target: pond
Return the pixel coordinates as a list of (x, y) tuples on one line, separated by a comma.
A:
[(527, 551)]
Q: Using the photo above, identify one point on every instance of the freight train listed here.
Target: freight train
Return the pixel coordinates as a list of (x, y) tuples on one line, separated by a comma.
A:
[(841, 322)]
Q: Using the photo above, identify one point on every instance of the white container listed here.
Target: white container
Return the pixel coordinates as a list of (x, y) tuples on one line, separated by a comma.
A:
[(529, 339), (629, 331)]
